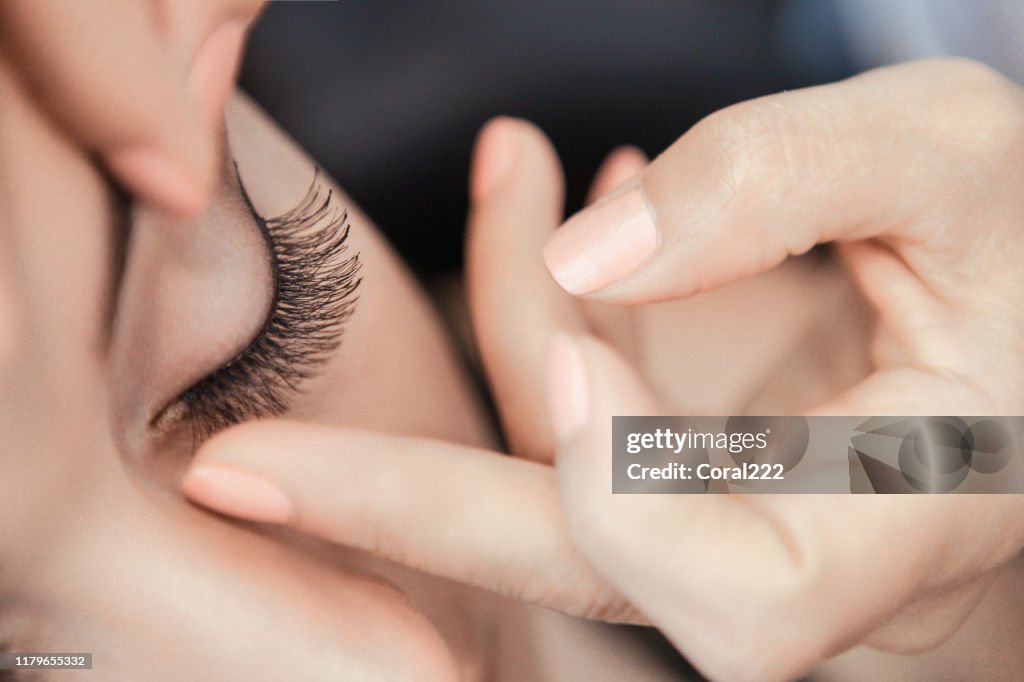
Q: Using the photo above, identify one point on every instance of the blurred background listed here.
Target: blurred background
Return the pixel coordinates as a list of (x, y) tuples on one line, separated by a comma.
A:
[(388, 95)]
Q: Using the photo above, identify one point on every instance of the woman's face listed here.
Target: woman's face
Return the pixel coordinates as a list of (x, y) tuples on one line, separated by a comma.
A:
[(125, 338)]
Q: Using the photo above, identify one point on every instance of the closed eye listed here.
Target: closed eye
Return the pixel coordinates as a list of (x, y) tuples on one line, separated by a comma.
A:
[(314, 284)]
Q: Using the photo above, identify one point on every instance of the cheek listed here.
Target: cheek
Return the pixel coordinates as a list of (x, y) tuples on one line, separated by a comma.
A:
[(198, 598)]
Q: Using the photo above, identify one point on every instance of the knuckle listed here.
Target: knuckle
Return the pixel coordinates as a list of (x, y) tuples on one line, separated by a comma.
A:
[(605, 604), (970, 73), (749, 141), (586, 598), (978, 113), (758, 152)]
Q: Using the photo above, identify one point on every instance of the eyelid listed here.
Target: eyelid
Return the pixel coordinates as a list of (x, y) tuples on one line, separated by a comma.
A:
[(314, 294)]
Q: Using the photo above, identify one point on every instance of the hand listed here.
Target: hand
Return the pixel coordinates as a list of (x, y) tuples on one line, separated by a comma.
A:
[(473, 516), (139, 84), (913, 170), (791, 311), (749, 588)]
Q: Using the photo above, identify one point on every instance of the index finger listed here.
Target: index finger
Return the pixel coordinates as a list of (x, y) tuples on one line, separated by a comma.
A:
[(462, 513)]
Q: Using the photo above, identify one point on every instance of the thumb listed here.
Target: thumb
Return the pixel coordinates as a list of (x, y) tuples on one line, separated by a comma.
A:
[(108, 75), (772, 177)]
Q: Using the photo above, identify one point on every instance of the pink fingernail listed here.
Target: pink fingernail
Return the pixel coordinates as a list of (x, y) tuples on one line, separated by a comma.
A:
[(602, 244), (158, 178), (567, 387), (236, 493)]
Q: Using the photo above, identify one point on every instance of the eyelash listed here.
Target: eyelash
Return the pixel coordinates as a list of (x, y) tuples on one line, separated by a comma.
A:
[(314, 295)]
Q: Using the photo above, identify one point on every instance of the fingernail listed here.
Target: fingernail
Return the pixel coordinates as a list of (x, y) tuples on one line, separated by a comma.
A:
[(159, 179), (567, 387), (214, 69), (602, 244), (495, 157), (236, 493)]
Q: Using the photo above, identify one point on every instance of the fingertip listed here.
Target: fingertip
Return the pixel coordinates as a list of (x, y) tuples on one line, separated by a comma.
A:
[(602, 244), (631, 155), (587, 378), (494, 156), (504, 147), (621, 165), (161, 180), (236, 472), (235, 492), (611, 383)]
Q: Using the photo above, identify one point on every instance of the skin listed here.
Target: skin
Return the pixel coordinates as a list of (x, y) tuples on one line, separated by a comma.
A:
[(928, 228), (173, 62), (80, 480), (926, 597), (100, 552)]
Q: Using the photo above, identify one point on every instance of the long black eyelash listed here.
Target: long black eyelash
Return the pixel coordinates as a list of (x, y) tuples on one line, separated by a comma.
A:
[(315, 294)]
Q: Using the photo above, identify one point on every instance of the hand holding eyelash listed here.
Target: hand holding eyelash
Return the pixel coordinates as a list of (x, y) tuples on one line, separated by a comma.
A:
[(140, 84)]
